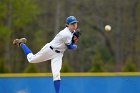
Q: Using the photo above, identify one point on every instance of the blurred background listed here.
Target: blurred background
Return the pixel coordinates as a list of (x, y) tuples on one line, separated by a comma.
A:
[(98, 51)]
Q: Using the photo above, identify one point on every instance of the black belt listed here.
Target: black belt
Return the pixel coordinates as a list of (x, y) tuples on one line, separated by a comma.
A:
[(57, 51)]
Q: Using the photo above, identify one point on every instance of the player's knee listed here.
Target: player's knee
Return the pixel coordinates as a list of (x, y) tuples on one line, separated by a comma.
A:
[(31, 58), (56, 76), (31, 61)]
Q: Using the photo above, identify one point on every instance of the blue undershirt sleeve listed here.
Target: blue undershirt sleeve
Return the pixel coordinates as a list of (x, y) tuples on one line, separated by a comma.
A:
[(71, 46), (25, 49)]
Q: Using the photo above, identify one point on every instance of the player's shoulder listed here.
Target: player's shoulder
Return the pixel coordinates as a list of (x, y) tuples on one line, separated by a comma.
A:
[(65, 32)]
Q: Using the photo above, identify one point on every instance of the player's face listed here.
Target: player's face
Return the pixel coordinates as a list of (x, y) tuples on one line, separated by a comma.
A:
[(73, 26)]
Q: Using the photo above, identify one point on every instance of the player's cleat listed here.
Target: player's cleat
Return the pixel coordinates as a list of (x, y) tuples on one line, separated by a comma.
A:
[(19, 41)]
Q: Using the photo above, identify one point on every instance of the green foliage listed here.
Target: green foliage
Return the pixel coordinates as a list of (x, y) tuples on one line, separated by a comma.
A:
[(4, 31), (20, 12), (31, 68), (14, 15), (3, 9), (24, 11), (129, 66), (65, 66), (101, 61), (3, 68), (37, 19), (97, 62), (37, 40)]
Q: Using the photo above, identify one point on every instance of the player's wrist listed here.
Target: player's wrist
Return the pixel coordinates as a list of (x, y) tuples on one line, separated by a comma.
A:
[(72, 46)]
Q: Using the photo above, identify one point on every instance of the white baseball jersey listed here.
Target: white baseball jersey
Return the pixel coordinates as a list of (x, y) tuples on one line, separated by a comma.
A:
[(61, 39), (46, 53)]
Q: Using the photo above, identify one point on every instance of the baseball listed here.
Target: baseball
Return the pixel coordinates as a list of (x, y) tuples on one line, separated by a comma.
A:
[(108, 28)]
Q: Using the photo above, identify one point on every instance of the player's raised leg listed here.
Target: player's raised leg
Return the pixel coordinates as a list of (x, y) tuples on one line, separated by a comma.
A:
[(38, 57)]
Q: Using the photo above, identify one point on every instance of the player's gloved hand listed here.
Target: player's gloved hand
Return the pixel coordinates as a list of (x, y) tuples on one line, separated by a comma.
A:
[(75, 39), (76, 36)]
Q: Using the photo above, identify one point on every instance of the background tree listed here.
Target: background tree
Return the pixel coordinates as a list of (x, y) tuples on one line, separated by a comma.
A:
[(98, 50)]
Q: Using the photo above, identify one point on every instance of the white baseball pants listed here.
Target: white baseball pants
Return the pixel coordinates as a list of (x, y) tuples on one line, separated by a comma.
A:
[(48, 54)]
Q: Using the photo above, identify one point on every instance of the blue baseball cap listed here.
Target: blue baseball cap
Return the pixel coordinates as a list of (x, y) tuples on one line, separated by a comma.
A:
[(71, 20)]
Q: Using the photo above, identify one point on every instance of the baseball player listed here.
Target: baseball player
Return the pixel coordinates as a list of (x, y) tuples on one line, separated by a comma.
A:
[(65, 39)]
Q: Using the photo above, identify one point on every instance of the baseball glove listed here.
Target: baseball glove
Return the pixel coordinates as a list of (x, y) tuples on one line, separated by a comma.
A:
[(76, 36)]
